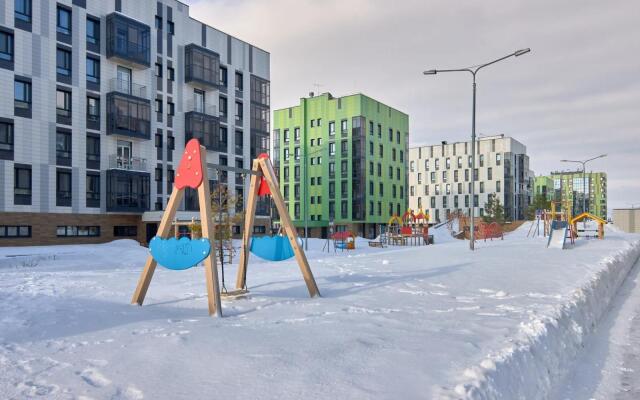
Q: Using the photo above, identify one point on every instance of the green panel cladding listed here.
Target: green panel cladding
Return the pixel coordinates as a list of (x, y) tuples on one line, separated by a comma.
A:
[(346, 156), (567, 188)]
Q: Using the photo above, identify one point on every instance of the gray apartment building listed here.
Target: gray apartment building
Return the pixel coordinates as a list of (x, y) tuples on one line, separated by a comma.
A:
[(105, 95), (440, 177)]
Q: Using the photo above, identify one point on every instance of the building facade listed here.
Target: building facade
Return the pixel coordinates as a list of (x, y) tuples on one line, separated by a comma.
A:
[(342, 160), (106, 93), (440, 177), (627, 219), (568, 189)]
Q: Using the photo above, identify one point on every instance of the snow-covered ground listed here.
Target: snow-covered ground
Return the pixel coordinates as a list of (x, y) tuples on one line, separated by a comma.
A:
[(608, 367), (506, 321)]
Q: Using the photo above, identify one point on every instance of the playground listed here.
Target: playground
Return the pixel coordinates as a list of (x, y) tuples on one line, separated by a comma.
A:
[(399, 321)]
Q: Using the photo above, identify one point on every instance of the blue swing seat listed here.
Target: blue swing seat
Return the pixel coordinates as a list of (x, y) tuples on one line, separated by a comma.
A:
[(179, 254), (272, 248)]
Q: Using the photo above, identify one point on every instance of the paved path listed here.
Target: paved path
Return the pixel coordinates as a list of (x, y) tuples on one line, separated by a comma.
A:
[(609, 366)]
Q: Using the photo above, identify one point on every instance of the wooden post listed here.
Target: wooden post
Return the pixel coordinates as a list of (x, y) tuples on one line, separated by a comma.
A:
[(163, 232), (210, 266), (241, 279), (269, 175)]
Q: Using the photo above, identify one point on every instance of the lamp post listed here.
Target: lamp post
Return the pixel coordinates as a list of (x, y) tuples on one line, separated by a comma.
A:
[(584, 186), (473, 71)]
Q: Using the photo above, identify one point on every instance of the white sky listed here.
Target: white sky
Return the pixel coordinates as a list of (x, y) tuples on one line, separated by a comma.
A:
[(576, 95)]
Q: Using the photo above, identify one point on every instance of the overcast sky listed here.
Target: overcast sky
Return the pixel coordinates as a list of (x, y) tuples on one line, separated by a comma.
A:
[(576, 95)]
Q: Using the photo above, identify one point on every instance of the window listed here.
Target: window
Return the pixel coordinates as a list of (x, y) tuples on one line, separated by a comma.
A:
[(23, 10), (158, 22), (6, 137), (444, 176), (75, 231), (426, 165), (332, 127), (170, 27), (393, 155), (459, 162), (63, 103), (391, 135), (6, 46), (482, 160), (437, 190), (296, 153), (64, 21), (381, 150), (22, 185), (412, 166), (159, 105), (296, 134), (498, 158), (398, 137), (222, 103), (15, 231), (401, 156), (22, 94), (239, 112), (455, 175), (433, 177), (63, 147), (489, 173), (239, 81), (63, 62), (448, 190), (433, 202), (343, 126), (448, 163), (223, 76), (286, 154), (93, 190), (93, 31), (437, 164), (93, 151), (171, 109), (63, 188), (171, 74), (379, 131), (125, 230), (332, 148), (498, 186), (319, 123), (93, 109), (159, 70)]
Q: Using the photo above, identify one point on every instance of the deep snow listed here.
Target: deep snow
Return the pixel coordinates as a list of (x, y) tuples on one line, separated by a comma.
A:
[(423, 322)]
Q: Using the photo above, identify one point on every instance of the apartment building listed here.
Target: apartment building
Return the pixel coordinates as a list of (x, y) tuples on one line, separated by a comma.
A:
[(581, 192), (440, 177), (344, 160), (105, 95)]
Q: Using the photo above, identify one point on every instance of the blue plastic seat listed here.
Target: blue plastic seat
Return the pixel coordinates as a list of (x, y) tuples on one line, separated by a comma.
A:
[(272, 248)]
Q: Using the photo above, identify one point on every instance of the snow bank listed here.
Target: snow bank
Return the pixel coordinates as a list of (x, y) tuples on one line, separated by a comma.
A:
[(546, 346)]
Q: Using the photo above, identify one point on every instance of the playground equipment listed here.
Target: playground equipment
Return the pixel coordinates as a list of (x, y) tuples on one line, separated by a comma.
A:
[(588, 216), (558, 233), (344, 240), (411, 229), (187, 252), (491, 231), (283, 249)]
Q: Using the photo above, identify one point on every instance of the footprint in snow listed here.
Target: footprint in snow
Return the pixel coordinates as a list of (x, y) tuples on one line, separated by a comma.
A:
[(37, 388), (130, 393), (94, 378)]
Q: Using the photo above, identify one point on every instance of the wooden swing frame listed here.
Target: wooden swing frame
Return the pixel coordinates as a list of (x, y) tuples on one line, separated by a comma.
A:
[(262, 168), (164, 230)]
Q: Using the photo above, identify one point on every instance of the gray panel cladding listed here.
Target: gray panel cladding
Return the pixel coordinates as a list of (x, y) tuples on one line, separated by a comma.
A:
[(229, 49), (44, 17), (36, 56), (251, 59), (3, 173), (2, 22), (44, 187), (159, 9), (75, 190), (204, 35), (119, 5)]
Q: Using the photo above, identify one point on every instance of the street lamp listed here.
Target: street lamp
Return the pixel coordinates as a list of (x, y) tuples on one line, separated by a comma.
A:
[(584, 187), (473, 71)]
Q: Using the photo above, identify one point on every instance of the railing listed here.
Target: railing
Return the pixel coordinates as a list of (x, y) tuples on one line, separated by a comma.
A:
[(61, 112), (133, 124), (129, 164), (127, 87), (195, 106)]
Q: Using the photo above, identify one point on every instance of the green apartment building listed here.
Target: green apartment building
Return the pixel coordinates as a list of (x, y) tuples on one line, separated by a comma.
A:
[(343, 160), (569, 188)]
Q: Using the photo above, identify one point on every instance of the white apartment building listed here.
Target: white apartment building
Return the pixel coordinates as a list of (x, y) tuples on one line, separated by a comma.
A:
[(440, 177), (101, 96)]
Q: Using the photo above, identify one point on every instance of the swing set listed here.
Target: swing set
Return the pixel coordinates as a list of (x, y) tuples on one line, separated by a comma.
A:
[(184, 253)]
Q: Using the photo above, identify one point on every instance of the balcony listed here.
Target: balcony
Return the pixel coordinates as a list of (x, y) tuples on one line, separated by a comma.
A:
[(127, 191), (202, 123), (128, 112), (202, 66), (128, 164), (128, 41)]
